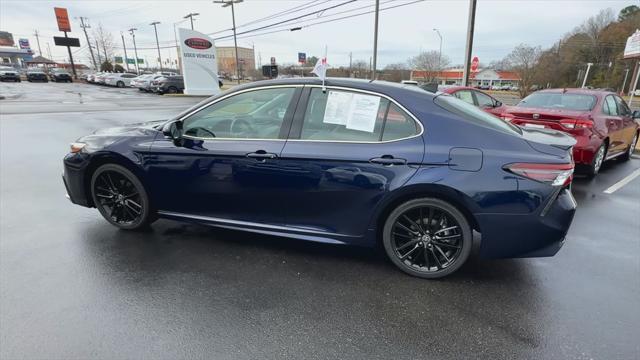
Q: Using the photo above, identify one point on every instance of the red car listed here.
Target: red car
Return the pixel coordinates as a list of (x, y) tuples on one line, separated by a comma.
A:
[(601, 122), (477, 98)]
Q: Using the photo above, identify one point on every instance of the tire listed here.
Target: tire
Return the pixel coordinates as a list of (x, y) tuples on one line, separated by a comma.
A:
[(127, 194), (598, 159), (426, 249), (120, 84), (632, 146), (172, 90)]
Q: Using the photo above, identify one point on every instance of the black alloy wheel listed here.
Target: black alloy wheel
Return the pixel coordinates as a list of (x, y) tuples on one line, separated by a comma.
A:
[(120, 84), (120, 197), (172, 90), (427, 238)]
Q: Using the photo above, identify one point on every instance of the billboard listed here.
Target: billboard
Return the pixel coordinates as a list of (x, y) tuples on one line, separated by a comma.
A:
[(66, 41), (24, 43), (632, 49), (6, 38), (302, 58), (63, 19), (199, 66)]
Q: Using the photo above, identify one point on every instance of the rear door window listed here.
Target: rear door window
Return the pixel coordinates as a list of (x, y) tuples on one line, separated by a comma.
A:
[(611, 108), (337, 115)]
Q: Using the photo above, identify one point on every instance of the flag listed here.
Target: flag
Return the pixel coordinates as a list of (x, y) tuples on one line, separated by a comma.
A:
[(321, 68)]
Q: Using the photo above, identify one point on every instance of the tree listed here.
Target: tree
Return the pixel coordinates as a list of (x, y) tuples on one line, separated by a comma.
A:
[(430, 62), (360, 69), (523, 60), (628, 12), (105, 42), (106, 66), (312, 60), (118, 68)]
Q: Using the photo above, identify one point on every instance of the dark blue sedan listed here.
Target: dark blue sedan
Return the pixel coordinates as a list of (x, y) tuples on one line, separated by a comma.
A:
[(355, 162)]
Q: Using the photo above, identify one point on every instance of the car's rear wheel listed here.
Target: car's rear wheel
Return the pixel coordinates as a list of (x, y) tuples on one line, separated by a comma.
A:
[(632, 146), (427, 238), (120, 84), (172, 90), (598, 158), (120, 197)]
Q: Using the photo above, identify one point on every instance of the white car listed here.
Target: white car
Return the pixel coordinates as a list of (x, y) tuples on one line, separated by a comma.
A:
[(143, 82), (119, 79)]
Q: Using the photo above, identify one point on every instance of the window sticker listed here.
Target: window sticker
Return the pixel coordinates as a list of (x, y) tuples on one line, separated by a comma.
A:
[(337, 109), (363, 112)]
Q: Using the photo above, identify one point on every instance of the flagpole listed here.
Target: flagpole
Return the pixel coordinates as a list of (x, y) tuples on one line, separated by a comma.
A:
[(324, 88)]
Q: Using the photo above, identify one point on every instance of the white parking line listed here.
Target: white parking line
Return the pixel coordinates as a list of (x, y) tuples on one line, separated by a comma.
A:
[(627, 179)]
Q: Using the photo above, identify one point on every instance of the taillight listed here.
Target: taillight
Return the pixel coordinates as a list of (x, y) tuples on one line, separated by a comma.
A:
[(576, 123), (552, 174)]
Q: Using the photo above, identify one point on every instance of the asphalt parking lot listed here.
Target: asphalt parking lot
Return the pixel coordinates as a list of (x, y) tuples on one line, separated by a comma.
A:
[(74, 287)]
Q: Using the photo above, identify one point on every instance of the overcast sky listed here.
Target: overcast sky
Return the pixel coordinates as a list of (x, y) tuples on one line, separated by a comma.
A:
[(404, 30)]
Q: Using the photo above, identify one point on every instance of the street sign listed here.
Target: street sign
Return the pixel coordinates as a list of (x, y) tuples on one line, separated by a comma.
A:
[(302, 58), (273, 60), (117, 59), (63, 19), (474, 63), (131, 61), (270, 71), (66, 41)]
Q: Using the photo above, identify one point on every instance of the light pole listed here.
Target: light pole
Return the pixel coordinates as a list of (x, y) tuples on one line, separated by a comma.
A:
[(440, 53), (375, 41), (190, 17), (469, 44), (135, 49), (586, 74), (155, 28), (126, 63), (226, 3)]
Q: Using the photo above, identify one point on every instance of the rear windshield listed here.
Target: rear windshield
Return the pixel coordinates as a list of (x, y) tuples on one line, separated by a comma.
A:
[(474, 114), (565, 101)]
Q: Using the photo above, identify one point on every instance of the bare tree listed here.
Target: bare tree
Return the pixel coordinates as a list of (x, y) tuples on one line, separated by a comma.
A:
[(360, 69), (594, 25), (430, 62), (503, 64), (523, 60), (105, 42)]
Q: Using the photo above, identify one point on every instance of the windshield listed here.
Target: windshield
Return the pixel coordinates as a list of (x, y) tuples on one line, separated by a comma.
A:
[(564, 101), (474, 114)]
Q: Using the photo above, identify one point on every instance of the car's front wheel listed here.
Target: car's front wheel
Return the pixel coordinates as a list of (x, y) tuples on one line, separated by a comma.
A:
[(120, 197), (427, 238)]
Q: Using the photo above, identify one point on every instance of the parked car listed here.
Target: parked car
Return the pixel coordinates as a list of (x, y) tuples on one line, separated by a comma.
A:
[(100, 78), (119, 79), (143, 82), (168, 85), (484, 87), (476, 97), (91, 78), (601, 122), (58, 75), (36, 75), (9, 74), (511, 184)]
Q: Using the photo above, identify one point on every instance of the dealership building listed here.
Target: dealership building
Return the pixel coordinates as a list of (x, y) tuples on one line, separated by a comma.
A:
[(485, 77), (227, 59), (11, 55)]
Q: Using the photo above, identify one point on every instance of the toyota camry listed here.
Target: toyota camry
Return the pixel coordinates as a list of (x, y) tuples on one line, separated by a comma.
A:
[(365, 163)]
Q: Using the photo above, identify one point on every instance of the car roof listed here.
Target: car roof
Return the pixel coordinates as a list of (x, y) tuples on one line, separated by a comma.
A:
[(385, 87), (577, 91)]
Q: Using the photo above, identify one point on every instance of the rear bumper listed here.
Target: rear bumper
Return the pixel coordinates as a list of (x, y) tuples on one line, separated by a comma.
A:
[(528, 235)]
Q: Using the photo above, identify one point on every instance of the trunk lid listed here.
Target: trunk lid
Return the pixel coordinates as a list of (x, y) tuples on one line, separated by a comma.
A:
[(549, 141)]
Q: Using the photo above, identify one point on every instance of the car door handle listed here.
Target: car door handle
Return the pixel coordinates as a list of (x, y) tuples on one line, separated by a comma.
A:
[(262, 155), (388, 160)]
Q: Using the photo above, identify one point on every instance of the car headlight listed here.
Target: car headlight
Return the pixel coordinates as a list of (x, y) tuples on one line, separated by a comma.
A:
[(77, 147)]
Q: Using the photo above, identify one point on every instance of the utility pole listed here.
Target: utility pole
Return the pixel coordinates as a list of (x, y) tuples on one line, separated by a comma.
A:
[(155, 23), (350, 64), (124, 47), (375, 41), (624, 82), (469, 47), (440, 53), (98, 52), (190, 17), (84, 28), (586, 75), (226, 3), (135, 49), (38, 40), (49, 50)]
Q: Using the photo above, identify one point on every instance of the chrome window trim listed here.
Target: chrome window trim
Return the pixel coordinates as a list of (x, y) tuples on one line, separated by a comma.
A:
[(415, 119)]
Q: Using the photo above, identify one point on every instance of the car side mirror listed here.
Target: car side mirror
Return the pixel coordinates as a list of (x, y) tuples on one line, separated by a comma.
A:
[(173, 130), (497, 104), (636, 114)]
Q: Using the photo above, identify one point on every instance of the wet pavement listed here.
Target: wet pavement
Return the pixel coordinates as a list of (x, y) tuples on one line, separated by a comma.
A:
[(74, 287)]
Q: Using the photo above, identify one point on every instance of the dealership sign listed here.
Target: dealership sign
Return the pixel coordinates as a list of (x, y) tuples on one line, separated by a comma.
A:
[(24, 44), (62, 17), (632, 49), (199, 66)]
